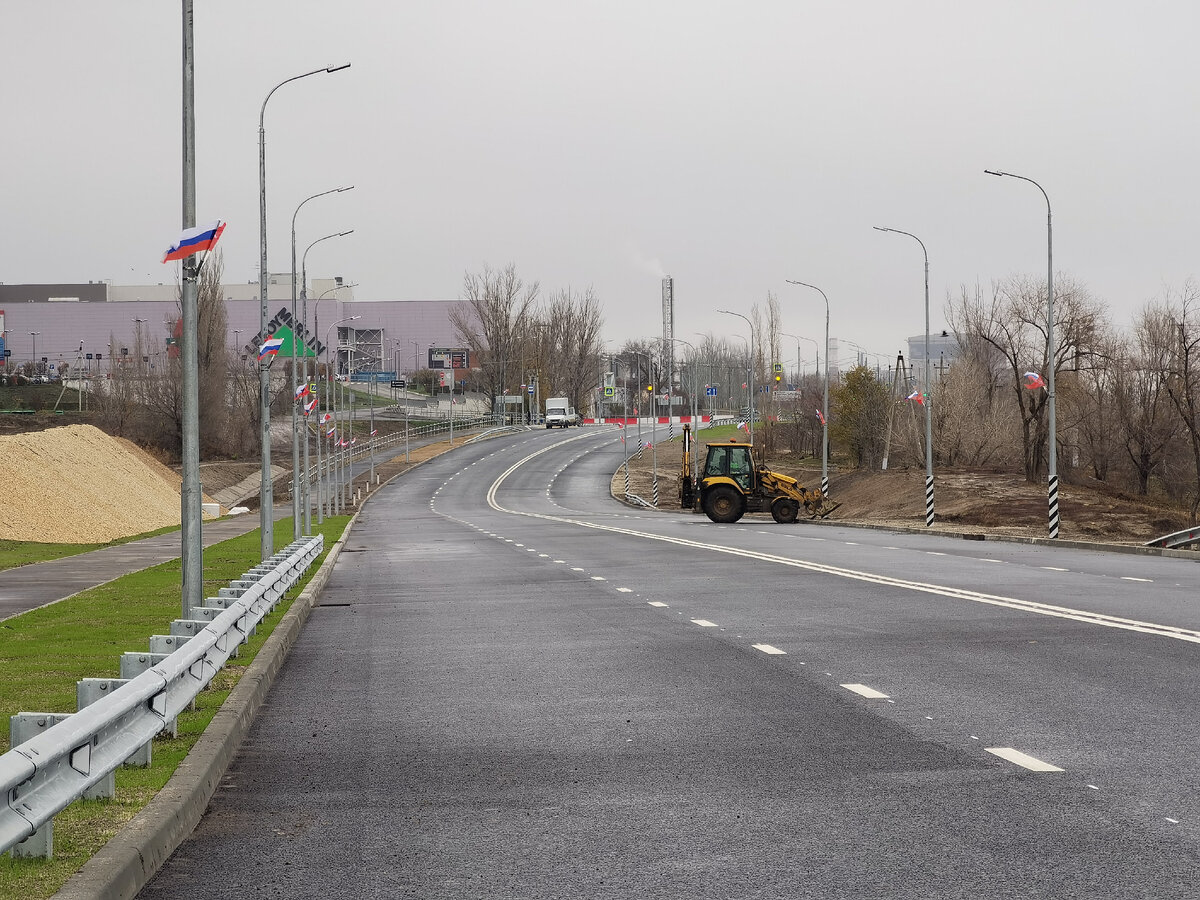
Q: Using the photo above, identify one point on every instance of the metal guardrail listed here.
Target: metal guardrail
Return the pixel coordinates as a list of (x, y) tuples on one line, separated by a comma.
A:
[(73, 754), (1177, 539)]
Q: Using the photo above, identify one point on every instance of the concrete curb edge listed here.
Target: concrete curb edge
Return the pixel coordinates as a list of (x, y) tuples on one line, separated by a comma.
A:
[(123, 866)]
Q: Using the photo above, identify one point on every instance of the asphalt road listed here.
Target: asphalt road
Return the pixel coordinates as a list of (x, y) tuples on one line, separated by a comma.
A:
[(517, 688)]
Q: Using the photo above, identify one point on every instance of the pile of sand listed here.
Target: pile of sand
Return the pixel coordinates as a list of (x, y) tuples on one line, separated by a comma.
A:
[(79, 485)]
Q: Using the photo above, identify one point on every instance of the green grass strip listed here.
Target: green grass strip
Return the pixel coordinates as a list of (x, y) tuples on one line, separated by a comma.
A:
[(45, 651)]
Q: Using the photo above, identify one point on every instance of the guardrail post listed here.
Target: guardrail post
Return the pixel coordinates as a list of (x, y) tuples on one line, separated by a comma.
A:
[(21, 728), (88, 691), (134, 664)]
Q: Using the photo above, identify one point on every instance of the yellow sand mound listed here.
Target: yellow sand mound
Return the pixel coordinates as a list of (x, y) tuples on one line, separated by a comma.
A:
[(79, 485)]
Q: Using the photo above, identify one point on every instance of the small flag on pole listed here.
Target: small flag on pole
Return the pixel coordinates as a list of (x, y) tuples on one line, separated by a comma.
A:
[(195, 240), (310, 406), (331, 431), (301, 391), (1033, 381), (374, 431), (269, 348), (325, 418), (821, 417)]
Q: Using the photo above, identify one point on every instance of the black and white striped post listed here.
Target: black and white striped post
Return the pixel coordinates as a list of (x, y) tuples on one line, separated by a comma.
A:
[(927, 398), (1052, 492), (825, 405)]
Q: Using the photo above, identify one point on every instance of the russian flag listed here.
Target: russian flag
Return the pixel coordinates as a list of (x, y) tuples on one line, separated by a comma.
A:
[(331, 431), (325, 418), (374, 432), (310, 406), (301, 391), (269, 348), (195, 240)]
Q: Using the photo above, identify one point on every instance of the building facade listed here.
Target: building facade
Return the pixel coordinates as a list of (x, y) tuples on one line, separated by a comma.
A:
[(103, 325)]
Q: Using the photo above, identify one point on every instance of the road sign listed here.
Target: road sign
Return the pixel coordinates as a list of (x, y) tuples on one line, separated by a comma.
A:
[(777, 368), (530, 390), (711, 391), (610, 392), (399, 382)]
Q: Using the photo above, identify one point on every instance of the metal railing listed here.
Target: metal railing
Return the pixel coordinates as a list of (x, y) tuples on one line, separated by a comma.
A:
[(70, 755)]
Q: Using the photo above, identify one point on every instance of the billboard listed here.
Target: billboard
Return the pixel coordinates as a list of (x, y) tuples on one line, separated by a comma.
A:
[(448, 358)]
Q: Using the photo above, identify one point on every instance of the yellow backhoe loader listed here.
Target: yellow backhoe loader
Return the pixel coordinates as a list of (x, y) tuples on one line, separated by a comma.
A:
[(732, 483)]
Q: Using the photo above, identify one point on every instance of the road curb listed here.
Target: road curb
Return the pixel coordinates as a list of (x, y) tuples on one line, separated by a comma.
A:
[(124, 865), (134, 854)]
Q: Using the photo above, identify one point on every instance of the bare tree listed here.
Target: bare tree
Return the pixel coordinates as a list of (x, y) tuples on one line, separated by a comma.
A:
[(1183, 376), (499, 307), (1013, 321)]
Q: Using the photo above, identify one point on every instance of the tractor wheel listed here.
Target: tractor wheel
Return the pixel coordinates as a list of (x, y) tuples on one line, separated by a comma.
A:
[(784, 510), (724, 504)]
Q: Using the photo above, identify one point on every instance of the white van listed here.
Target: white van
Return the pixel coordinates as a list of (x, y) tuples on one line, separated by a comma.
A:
[(559, 412)]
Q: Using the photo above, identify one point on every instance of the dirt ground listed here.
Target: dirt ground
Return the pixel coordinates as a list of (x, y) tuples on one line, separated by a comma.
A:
[(965, 501)]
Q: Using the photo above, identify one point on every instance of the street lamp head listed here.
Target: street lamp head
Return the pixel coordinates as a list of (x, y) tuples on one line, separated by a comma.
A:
[(881, 228), (337, 68), (348, 187), (992, 172), (344, 233)]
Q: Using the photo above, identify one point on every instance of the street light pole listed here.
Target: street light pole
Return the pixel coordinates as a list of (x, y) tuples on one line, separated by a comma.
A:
[(34, 335), (1052, 488), (752, 361), (330, 403), (265, 512), (296, 487), (825, 407), (927, 404)]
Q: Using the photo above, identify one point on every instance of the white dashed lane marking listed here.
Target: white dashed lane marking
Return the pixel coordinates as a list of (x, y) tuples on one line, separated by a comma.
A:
[(1024, 760), (704, 623), (658, 603), (1131, 578), (863, 691), (625, 590), (767, 648)]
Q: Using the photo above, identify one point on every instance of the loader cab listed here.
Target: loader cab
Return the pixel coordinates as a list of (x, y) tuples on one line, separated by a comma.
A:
[(732, 460)]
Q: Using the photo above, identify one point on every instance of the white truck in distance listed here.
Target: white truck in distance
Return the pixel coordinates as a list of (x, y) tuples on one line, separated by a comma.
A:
[(560, 412)]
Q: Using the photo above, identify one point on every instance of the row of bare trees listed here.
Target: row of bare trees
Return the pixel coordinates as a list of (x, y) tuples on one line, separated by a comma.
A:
[(517, 334), (142, 400), (1127, 403)]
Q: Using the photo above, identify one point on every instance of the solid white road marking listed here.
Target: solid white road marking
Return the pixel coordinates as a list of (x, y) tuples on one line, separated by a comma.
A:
[(1024, 760), (985, 559), (1044, 609), (704, 623), (1055, 569), (658, 603), (767, 648), (863, 691), (1131, 578)]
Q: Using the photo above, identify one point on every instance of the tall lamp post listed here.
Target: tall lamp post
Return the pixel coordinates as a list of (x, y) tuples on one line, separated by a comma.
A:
[(296, 489), (752, 361), (926, 404), (265, 512), (329, 403), (34, 335), (825, 405), (1052, 490)]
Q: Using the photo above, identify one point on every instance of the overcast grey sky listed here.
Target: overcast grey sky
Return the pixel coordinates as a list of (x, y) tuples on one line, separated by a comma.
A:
[(731, 145)]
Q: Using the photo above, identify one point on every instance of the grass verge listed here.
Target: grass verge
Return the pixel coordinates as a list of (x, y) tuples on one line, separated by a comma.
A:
[(45, 651)]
